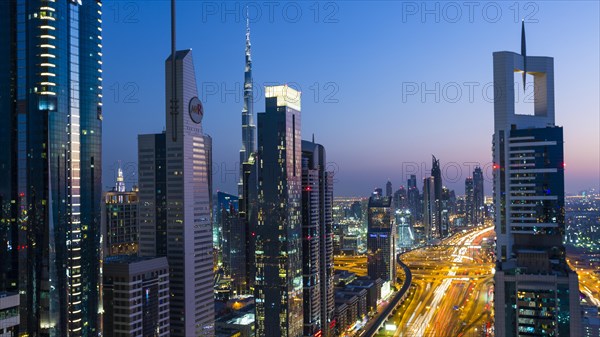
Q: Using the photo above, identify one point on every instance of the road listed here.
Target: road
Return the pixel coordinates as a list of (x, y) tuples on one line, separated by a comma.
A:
[(452, 289), (589, 282)]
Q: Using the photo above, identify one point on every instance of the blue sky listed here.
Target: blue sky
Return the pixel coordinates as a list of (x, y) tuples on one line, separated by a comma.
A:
[(362, 68)]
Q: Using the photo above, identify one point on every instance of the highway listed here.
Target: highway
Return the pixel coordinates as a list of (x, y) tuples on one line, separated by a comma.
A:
[(589, 282), (452, 289), (375, 323)]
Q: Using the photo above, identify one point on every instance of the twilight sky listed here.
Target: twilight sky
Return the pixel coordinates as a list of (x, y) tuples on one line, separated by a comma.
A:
[(384, 84)]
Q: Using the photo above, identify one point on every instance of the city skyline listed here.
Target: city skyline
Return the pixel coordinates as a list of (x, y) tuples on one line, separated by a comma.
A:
[(374, 105)]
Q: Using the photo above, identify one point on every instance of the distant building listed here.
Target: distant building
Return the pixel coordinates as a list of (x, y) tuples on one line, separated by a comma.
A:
[(404, 222), (436, 173), (430, 212), (469, 201), (400, 199), (414, 198), (356, 210), (478, 197), (120, 217), (381, 239), (136, 296), (234, 242), (388, 189)]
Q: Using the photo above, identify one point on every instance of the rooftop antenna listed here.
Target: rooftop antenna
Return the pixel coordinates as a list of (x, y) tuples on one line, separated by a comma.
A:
[(523, 52), (174, 107)]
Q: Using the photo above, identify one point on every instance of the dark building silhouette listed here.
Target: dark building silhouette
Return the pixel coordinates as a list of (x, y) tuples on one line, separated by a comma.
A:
[(469, 201), (436, 173), (381, 239), (478, 197), (317, 241), (234, 241), (388, 189), (430, 210), (414, 198)]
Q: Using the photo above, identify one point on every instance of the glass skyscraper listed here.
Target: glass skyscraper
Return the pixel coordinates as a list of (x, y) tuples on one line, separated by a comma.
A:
[(50, 194), (536, 292), (381, 239), (276, 218), (317, 241)]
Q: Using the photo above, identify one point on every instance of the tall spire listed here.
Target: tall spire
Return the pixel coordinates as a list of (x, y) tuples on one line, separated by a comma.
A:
[(247, 32), (120, 186), (248, 127), (524, 53)]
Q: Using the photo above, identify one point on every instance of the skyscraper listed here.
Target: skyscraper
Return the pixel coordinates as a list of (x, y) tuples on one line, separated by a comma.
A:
[(174, 197), (430, 212), (50, 194), (381, 239), (388, 189), (469, 201), (478, 196), (234, 241), (436, 173), (414, 199), (247, 154), (248, 127), (317, 240), (120, 219), (277, 217), (400, 199), (536, 293)]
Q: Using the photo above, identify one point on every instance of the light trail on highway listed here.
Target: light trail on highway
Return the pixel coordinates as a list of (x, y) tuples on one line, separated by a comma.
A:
[(422, 322)]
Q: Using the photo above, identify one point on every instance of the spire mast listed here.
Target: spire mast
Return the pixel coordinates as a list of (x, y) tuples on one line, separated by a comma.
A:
[(524, 53)]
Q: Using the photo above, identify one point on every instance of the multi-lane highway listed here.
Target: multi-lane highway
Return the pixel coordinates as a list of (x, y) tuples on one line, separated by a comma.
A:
[(452, 287)]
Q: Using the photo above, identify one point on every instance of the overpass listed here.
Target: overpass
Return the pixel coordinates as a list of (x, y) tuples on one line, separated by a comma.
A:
[(382, 317)]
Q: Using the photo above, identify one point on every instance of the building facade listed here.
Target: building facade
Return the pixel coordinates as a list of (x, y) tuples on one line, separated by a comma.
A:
[(276, 216), (436, 173), (381, 239), (430, 213), (317, 241), (536, 293), (469, 201), (120, 219), (174, 197), (233, 241), (478, 197), (136, 296), (50, 194)]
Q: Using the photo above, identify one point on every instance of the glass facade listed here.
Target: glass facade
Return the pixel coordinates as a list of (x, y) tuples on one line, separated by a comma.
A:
[(277, 215), (381, 239), (52, 117)]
